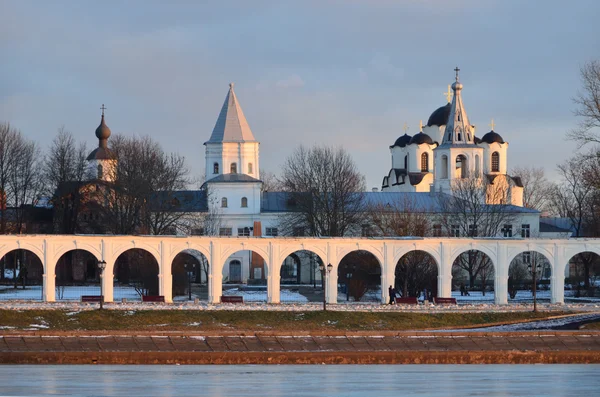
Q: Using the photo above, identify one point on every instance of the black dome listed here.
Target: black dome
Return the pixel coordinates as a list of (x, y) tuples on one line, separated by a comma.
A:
[(492, 137), (476, 140), (102, 132), (421, 138), (403, 140), (439, 116)]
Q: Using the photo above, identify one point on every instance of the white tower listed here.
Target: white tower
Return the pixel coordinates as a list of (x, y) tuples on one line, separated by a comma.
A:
[(232, 148), (102, 162), (458, 156)]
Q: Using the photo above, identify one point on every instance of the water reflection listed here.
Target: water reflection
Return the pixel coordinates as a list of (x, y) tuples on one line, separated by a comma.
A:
[(301, 380)]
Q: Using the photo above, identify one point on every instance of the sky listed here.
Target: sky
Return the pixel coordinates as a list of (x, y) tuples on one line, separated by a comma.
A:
[(345, 73)]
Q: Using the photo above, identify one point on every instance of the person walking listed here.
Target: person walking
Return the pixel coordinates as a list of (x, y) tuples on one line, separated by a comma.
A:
[(392, 294)]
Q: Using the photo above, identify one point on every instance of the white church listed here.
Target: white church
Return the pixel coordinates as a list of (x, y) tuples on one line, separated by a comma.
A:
[(423, 166)]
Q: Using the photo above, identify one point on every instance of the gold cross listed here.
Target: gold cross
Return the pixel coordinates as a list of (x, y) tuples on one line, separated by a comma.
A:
[(421, 125), (492, 124), (103, 108), (405, 128), (448, 94)]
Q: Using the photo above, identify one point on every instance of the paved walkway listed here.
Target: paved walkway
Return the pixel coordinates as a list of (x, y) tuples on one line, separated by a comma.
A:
[(526, 347)]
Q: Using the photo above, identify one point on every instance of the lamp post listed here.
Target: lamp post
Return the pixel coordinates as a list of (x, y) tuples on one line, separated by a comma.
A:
[(190, 273), (324, 281), (101, 266), (534, 269)]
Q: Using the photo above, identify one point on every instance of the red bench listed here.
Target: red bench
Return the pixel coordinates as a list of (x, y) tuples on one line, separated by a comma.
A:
[(232, 299), (407, 301), (444, 301), (91, 298), (153, 298)]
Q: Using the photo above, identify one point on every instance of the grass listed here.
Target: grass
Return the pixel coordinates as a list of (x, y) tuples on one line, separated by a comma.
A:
[(187, 320)]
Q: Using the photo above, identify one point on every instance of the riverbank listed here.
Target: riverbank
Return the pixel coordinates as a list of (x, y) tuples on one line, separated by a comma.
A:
[(352, 348)]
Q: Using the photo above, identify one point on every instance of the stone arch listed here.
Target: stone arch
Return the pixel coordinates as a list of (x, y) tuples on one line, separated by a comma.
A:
[(136, 272), (77, 274), (520, 275), (24, 245), (189, 271), (244, 273), (473, 269), (462, 166), (416, 247), (416, 271), (298, 276), (345, 250), (366, 275), (76, 245), (582, 272), (21, 275), (444, 167)]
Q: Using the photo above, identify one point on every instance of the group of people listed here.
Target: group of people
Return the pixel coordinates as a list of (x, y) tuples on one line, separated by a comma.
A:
[(394, 293), (464, 291)]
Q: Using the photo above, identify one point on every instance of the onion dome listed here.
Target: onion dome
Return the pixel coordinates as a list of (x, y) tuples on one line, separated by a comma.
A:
[(102, 132), (421, 138), (492, 137), (476, 140), (439, 116), (402, 141)]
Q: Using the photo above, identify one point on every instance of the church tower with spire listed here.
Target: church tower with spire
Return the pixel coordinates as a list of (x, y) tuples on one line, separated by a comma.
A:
[(232, 148), (102, 162), (458, 156)]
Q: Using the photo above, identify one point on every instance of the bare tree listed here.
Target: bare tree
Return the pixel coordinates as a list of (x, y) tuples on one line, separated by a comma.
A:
[(25, 182), (588, 102), (325, 192), (536, 187), (10, 145), (466, 213), (270, 182)]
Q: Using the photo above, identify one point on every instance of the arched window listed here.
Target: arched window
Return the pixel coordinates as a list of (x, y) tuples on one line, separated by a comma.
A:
[(495, 162), (215, 168), (100, 171), (233, 169), (444, 167), (224, 202), (424, 162), (250, 171), (462, 170), (244, 202), (477, 169), (406, 162)]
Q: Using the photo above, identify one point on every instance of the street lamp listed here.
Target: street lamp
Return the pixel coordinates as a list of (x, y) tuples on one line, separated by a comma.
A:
[(101, 266), (190, 274), (324, 281), (534, 273)]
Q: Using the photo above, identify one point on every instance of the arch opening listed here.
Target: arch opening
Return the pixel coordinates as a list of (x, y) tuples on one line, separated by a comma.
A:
[(522, 270), (135, 275), (299, 276), (473, 277), (462, 167), (444, 167), (189, 272), (245, 274), (77, 274), (415, 275), (360, 274), (582, 276), (21, 276)]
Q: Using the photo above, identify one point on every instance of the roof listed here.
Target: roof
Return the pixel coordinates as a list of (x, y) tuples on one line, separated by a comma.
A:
[(231, 125), (561, 223), (439, 116), (458, 129), (549, 228), (101, 153), (402, 141), (180, 201), (232, 178), (492, 137), (421, 138), (277, 202)]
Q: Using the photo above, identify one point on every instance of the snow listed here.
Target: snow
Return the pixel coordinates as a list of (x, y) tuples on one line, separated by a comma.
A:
[(260, 295)]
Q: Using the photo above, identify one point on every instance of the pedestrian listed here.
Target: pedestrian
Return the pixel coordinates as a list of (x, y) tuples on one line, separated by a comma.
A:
[(392, 293), (462, 289)]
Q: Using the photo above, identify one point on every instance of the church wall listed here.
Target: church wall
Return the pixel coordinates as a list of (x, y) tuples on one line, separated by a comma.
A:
[(502, 150), (234, 192), (398, 154)]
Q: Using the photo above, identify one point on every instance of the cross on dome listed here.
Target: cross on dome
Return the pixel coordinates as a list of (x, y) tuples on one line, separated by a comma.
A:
[(456, 70), (405, 128), (103, 108), (421, 125), (492, 124)]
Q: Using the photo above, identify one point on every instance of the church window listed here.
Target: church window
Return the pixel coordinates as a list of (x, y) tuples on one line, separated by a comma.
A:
[(507, 231), (233, 167), (454, 231), (495, 162), (459, 136), (424, 162), (271, 231), (444, 167), (225, 231), (244, 231), (224, 202), (244, 202), (250, 170), (472, 230), (406, 162), (437, 230), (100, 171), (525, 230), (215, 168), (198, 231)]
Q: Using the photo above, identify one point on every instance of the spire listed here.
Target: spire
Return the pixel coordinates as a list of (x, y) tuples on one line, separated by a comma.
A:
[(231, 125), (458, 129)]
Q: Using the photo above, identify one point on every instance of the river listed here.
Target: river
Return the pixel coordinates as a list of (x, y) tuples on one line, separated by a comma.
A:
[(301, 380)]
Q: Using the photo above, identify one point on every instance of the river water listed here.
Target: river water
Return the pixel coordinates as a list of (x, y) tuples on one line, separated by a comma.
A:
[(301, 380)]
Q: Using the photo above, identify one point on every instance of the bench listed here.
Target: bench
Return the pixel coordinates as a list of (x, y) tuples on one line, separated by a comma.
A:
[(407, 301), (232, 299), (91, 298), (153, 298), (444, 301)]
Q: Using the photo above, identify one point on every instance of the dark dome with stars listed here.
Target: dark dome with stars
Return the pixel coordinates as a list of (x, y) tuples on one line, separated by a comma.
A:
[(439, 116), (403, 140)]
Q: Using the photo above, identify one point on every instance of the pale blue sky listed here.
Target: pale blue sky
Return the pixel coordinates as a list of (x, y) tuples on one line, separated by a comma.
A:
[(349, 72)]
